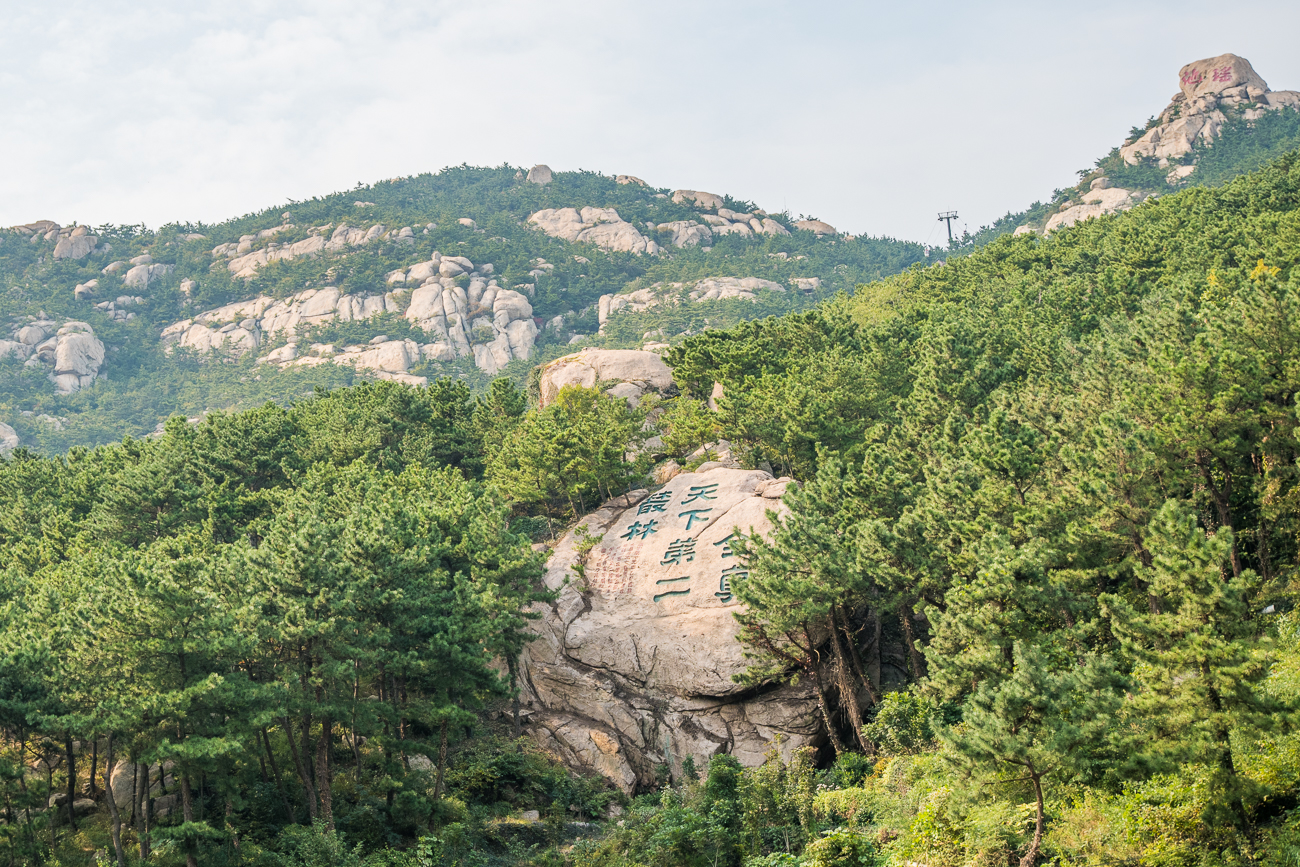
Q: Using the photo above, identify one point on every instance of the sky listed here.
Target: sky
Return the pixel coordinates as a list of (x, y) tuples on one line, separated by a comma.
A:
[(870, 116)]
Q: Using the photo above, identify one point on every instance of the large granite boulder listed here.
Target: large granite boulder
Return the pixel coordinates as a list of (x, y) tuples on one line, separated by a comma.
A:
[(76, 354), (633, 666), (1210, 91), (642, 371), (600, 226), (1214, 75), (77, 244)]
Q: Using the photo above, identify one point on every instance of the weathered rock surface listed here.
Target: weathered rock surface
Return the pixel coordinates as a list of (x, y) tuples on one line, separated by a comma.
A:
[(645, 371), (71, 353), (540, 174), (635, 669), (126, 781), (600, 226), (141, 275), (480, 320), (700, 199), (1096, 202), (78, 355), (251, 252), (76, 244), (1210, 91), (817, 227), (8, 439), (686, 233), (708, 289)]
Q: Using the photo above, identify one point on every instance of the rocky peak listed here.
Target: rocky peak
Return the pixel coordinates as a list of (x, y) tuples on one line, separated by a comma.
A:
[(1215, 75)]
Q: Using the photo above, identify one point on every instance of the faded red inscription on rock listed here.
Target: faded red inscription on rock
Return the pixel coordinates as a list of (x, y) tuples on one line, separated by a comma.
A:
[(614, 572)]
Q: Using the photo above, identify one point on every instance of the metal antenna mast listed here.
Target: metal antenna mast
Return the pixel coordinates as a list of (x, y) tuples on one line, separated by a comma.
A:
[(948, 217)]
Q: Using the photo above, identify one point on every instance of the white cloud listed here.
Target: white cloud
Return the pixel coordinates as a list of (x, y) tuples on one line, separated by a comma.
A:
[(867, 115)]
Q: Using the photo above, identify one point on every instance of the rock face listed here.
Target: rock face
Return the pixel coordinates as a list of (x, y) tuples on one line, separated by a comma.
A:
[(482, 320), (817, 227), (643, 371), (78, 354), (70, 242), (700, 199), (251, 252), (708, 289), (1210, 91), (77, 244), (634, 669), (540, 174), (71, 353), (8, 439), (1099, 200), (600, 226)]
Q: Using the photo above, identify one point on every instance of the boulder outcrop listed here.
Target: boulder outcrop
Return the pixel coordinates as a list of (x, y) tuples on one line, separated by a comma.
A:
[(8, 439), (1210, 91), (639, 371), (71, 353), (708, 289), (70, 242), (251, 252), (78, 355), (700, 199), (600, 226), (479, 319), (77, 244), (540, 175), (817, 227), (1099, 200), (633, 669)]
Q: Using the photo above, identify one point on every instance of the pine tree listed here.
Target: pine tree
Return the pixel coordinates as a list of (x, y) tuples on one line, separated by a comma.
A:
[(1199, 660)]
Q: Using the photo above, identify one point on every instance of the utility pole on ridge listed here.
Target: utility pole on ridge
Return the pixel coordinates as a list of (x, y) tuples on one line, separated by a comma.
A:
[(948, 217)]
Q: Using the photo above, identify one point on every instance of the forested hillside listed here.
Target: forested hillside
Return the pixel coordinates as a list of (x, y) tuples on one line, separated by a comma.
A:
[(1060, 472), (174, 336)]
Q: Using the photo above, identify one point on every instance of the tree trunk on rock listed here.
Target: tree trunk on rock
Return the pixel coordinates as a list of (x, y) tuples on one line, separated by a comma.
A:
[(112, 803)]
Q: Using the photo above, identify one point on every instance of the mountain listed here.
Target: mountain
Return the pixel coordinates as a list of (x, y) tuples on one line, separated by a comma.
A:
[(467, 273), (472, 273), (990, 561), (1223, 121)]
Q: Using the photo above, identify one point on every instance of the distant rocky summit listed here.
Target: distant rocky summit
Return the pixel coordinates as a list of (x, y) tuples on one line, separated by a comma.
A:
[(1212, 93)]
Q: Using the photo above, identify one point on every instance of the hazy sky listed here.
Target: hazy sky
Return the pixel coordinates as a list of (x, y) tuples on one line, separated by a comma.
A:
[(872, 116)]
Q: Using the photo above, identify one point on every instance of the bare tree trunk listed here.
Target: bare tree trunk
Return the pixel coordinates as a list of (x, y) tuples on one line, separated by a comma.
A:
[(301, 767), (867, 683), (94, 762), (142, 814), (1040, 820), (72, 780), (356, 696), (848, 693), (442, 759), (815, 669), (187, 810), (112, 803), (323, 746), (914, 657), (289, 812)]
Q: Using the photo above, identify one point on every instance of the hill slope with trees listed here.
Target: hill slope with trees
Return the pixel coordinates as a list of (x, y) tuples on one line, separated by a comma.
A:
[(1059, 473)]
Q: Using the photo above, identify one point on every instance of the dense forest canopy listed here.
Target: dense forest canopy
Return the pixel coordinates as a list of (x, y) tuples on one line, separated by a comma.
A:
[(1060, 474)]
